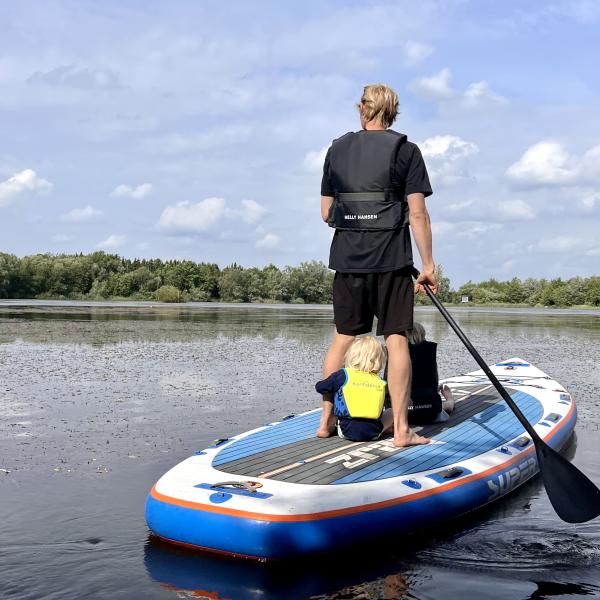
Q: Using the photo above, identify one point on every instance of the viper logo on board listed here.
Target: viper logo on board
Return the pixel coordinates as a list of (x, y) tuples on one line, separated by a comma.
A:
[(505, 482)]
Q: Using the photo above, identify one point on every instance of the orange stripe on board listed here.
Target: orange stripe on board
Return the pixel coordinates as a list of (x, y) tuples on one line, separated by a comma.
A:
[(353, 509)]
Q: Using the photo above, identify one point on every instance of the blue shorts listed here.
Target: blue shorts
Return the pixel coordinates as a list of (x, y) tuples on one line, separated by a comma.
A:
[(359, 430)]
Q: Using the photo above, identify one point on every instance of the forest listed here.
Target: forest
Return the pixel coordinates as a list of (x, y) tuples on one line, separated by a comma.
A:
[(102, 276)]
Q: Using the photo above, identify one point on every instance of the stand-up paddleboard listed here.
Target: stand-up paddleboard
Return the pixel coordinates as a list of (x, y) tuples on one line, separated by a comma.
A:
[(278, 491)]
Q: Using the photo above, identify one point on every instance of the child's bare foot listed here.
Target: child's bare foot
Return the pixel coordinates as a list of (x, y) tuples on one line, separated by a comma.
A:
[(328, 421), (323, 432), (409, 438)]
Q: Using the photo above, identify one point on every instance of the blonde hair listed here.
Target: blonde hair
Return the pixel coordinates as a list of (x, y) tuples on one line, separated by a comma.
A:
[(380, 103), (417, 334), (365, 354)]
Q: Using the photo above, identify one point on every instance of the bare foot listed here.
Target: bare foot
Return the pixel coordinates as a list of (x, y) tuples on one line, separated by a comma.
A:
[(328, 421), (410, 438), (324, 432)]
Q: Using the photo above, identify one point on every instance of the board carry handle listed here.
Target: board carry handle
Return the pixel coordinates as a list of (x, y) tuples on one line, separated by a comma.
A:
[(249, 486), (574, 497)]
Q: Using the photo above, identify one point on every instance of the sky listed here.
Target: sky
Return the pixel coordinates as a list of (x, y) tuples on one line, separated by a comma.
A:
[(197, 130)]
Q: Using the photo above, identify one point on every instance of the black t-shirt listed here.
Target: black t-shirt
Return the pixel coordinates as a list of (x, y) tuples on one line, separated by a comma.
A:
[(381, 251)]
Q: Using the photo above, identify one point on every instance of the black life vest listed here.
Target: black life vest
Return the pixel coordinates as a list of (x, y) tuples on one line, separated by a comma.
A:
[(360, 166), (426, 402), (424, 370)]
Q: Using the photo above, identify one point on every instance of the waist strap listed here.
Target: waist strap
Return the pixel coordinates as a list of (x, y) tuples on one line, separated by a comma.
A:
[(361, 196)]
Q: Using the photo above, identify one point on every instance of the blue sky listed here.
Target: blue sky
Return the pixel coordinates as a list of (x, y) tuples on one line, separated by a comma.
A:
[(197, 129)]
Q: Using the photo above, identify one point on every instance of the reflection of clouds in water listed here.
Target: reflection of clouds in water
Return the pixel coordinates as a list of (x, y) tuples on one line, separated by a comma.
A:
[(99, 325)]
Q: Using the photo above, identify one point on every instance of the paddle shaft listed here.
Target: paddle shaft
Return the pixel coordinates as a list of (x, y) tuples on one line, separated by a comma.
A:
[(463, 338)]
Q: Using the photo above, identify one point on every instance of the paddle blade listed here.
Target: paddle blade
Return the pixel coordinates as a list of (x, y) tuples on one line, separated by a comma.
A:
[(574, 497)]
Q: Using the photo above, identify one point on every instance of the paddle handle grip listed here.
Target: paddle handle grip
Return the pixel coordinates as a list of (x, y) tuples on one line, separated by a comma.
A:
[(484, 367)]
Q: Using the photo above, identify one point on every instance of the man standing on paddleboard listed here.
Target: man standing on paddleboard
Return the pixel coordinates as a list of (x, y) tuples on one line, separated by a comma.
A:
[(374, 186)]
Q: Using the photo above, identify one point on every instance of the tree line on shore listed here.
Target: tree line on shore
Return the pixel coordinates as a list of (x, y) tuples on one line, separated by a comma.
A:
[(101, 276)]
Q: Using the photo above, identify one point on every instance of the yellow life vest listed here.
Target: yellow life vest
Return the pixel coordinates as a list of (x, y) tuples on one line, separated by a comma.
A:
[(361, 396)]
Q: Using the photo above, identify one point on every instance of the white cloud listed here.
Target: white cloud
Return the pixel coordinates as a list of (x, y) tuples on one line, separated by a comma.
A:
[(128, 191), (270, 240), (548, 163), (590, 164), (436, 88), (252, 211), (480, 93), (187, 217), (589, 202), (192, 218), (111, 242), (447, 155), (449, 147), (314, 159), (584, 11), (515, 210), (560, 243), (21, 183), (80, 215), (544, 163), (416, 52)]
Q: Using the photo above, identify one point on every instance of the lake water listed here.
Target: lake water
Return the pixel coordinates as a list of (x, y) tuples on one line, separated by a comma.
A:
[(97, 401)]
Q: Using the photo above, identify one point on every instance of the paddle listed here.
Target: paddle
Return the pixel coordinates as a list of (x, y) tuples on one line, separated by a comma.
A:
[(574, 497)]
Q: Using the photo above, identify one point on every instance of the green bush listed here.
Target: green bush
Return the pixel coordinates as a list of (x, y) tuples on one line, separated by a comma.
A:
[(168, 293)]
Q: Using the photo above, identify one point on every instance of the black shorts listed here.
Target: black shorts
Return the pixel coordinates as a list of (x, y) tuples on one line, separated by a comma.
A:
[(358, 297)]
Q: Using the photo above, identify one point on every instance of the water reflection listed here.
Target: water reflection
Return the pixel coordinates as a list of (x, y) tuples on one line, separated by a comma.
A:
[(70, 322), (198, 574), (117, 325)]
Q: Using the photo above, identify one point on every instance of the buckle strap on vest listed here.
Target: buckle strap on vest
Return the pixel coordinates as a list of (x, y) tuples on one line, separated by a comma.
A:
[(361, 196)]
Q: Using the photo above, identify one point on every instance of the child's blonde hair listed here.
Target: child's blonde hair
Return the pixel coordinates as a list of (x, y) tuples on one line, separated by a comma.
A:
[(365, 354), (417, 334)]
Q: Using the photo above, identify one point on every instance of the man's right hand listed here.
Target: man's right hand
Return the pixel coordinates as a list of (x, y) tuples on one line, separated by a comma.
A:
[(427, 276), (421, 229)]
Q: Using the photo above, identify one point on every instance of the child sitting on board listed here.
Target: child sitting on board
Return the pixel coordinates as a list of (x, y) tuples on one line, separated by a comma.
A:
[(430, 402), (358, 393)]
